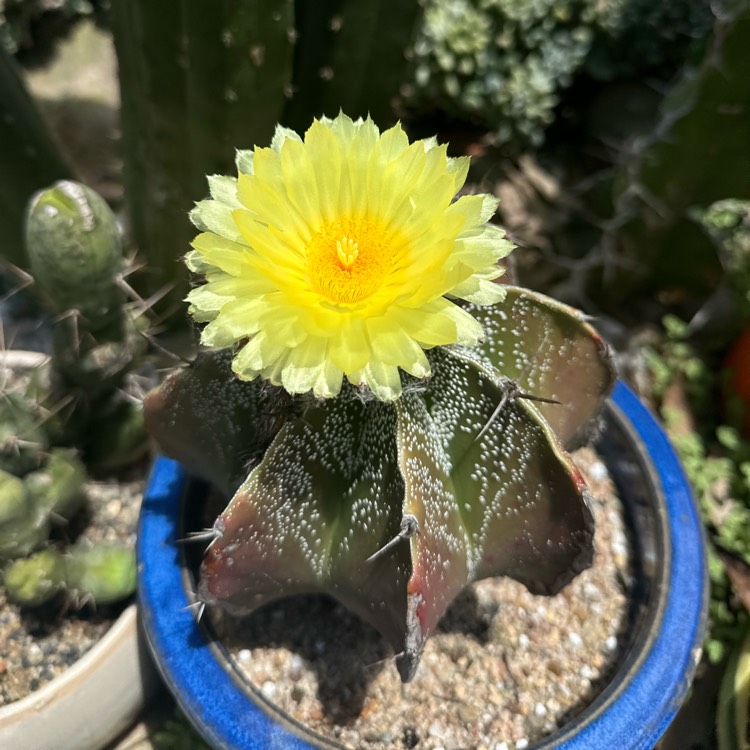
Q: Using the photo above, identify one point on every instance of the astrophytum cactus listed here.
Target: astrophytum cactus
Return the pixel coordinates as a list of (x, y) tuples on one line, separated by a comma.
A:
[(389, 493)]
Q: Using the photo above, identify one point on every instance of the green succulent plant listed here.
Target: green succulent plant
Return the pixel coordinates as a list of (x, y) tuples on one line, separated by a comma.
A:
[(506, 64)]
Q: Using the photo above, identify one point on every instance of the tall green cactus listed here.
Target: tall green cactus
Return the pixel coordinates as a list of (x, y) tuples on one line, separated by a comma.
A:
[(199, 79), (350, 56), (196, 81), (30, 159)]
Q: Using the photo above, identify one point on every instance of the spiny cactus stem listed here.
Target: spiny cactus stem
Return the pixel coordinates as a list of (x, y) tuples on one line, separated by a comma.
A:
[(409, 527), (511, 392)]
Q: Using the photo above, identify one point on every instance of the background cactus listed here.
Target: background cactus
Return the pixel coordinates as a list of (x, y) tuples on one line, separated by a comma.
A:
[(29, 155), (74, 402), (198, 81), (104, 574), (506, 64), (394, 508), (77, 261)]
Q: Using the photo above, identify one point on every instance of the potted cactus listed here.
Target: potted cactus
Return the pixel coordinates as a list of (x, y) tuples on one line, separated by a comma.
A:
[(64, 416), (389, 421)]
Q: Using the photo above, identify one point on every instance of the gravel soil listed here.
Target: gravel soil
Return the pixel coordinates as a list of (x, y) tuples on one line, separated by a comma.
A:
[(505, 669)]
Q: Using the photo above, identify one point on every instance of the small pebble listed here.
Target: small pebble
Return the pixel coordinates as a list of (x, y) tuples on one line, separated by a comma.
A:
[(245, 655), (268, 689), (598, 471)]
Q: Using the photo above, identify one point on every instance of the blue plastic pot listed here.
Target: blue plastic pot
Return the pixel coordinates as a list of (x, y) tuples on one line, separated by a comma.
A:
[(631, 713)]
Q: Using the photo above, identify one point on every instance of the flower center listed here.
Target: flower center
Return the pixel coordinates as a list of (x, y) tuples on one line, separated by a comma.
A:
[(348, 259)]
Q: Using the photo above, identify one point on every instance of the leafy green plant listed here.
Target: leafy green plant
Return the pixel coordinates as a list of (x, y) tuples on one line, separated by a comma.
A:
[(717, 462), (732, 715)]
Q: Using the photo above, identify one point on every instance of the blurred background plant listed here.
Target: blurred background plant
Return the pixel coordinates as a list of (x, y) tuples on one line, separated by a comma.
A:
[(615, 134), (73, 412)]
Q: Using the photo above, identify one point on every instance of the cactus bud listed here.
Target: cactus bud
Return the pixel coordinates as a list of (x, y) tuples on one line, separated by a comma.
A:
[(75, 249)]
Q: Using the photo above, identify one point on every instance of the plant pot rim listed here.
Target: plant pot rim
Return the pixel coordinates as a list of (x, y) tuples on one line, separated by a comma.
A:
[(631, 712), (91, 702)]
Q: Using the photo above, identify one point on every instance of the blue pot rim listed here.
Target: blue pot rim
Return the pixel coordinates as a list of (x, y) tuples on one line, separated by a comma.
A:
[(631, 714)]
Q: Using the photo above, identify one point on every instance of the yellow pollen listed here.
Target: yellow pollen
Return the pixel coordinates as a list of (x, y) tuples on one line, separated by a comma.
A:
[(348, 259)]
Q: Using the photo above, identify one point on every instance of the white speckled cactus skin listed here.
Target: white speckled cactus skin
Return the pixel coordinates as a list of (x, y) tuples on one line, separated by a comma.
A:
[(393, 508)]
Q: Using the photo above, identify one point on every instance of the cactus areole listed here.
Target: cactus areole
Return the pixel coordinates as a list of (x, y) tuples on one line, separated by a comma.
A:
[(389, 421)]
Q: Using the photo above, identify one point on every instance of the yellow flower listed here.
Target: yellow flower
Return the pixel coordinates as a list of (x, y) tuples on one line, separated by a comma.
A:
[(339, 255)]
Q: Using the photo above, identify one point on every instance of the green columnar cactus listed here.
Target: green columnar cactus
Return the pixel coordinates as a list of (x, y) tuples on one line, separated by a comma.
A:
[(199, 79), (102, 574), (196, 79), (350, 56), (383, 443), (76, 258), (28, 154)]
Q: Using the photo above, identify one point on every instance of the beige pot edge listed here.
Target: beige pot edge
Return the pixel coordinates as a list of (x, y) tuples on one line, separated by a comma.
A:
[(92, 702)]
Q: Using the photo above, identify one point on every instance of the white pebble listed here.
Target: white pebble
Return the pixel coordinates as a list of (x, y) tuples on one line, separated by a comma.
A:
[(501, 746), (522, 743), (523, 640), (34, 655), (598, 471), (435, 730), (587, 672), (268, 689), (245, 656), (611, 643), (540, 709), (575, 639)]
